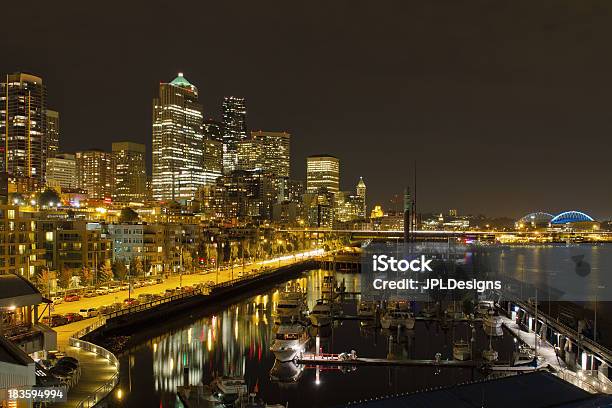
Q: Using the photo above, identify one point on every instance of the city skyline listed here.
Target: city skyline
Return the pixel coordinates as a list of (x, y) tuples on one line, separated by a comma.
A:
[(426, 107)]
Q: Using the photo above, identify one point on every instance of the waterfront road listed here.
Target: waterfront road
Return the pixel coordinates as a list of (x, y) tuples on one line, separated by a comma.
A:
[(96, 370), (172, 282)]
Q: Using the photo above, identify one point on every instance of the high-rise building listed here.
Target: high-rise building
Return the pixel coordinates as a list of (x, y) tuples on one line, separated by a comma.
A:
[(23, 126), (250, 155), (53, 132), (61, 171), (361, 193), (95, 173), (177, 141), (276, 151), (213, 161), (130, 176), (234, 130), (213, 130), (322, 171)]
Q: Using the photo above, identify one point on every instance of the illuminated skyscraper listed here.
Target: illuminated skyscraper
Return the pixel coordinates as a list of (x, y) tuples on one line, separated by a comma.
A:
[(212, 130), (276, 151), (61, 171), (361, 193), (53, 132), (23, 126), (178, 151), (322, 171), (130, 175), (250, 154), (94, 169), (213, 161), (234, 130)]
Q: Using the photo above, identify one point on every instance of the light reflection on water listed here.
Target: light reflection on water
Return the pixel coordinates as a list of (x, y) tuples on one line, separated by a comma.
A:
[(236, 340)]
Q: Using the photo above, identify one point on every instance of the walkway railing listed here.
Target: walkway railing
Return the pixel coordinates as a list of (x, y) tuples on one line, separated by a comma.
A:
[(199, 291), (153, 303), (76, 341)]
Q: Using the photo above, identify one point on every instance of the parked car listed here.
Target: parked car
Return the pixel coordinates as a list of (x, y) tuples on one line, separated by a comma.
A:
[(87, 313), (57, 300), (106, 309), (114, 289), (169, 292), (54, 320), (124, 286), (72, 297), (102, 290), (159, 280), (130, 302), (145, 297), (73, 317), (90, 294)]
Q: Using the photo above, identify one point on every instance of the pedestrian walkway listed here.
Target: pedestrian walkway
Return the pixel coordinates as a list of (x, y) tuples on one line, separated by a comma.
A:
[(547, 357), (96, 369)]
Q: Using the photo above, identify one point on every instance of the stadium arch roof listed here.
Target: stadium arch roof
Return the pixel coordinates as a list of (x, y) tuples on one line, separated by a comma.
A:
[(571, 216), (537, 217)]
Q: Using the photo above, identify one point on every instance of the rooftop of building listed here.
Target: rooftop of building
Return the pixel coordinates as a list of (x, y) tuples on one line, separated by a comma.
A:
[(11, 354), (321, 156), (16, 291), (24, 77)]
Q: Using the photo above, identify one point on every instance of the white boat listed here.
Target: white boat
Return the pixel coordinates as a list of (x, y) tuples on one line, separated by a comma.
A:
[(462, 350), (490, 354), (395, 318), (366, 309), (321, 313), (492, 321), (229, 389), (289, 307), (483, 307), (291, 340)]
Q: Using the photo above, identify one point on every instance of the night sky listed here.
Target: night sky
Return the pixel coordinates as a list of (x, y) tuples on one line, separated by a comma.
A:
[(505, 105)]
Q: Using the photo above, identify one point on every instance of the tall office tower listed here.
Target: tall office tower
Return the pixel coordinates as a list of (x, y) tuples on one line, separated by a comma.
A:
[(53, 132), (61, 171), (94, 170), (130, 175), (178, 154), (213, 130), (322, 170), (213, 161), (234, 130), (361, 193), (276, 155), (23, 126), (250, 155)]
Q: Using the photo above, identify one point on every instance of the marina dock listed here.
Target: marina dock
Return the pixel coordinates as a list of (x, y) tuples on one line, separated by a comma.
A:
[(334, 359)]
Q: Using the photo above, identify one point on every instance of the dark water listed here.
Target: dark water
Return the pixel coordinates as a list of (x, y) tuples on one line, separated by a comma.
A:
[(236, 340)]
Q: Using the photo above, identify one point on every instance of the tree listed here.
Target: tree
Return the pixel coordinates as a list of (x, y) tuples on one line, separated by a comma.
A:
[(65, 277), (119, 270), (137, 267), (106, 273), (48, 198), (187, 260), (87, 276), (128, 215), (43, 279)]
